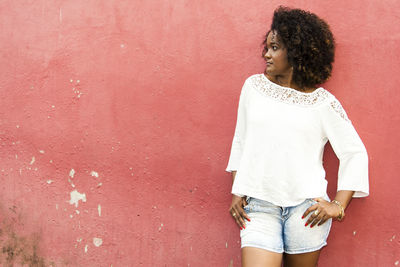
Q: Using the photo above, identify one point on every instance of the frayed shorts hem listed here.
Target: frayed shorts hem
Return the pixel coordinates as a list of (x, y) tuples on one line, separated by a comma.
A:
[(297, 251), (261, 247), (305, 250)]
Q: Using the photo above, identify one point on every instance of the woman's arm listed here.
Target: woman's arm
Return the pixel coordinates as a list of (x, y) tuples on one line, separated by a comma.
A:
[(238, 202), (353, 167)]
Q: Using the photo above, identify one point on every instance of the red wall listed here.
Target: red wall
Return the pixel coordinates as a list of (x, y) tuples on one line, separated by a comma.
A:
[(143, 94)]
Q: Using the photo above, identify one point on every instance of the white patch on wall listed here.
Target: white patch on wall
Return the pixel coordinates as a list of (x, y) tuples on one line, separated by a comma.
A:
[(97, 241), (72, 184), (49, 181), (94, 174), (77, 92), (72, 173), (75, 197), (32, 161), (41, 151), (86, 247), (99, 209)]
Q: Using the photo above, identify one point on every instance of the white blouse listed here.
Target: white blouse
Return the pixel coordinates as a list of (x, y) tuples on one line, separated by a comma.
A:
[(279, 141)]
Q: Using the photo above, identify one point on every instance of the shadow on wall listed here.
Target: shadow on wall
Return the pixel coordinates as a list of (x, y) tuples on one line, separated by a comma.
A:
[(17, 249)]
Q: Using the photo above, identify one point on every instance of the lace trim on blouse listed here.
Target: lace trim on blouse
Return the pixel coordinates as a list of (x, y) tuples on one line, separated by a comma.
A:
[(288, 95), (339, 110), (291, 96)]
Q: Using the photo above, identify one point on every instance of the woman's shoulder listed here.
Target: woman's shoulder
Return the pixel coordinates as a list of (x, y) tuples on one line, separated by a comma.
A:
[(253, 78), (333, 106)]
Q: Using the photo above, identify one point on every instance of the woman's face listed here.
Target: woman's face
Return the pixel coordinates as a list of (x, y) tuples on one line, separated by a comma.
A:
[(276, 57)]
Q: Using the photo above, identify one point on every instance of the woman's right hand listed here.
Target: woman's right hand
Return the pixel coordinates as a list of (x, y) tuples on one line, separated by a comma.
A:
[(237, 211)]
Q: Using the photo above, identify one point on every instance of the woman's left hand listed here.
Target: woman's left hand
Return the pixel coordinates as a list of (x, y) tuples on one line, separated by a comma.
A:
[(321, 212)]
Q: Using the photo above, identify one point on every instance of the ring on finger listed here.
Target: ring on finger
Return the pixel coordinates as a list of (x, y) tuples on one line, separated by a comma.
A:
[(234, 214), (316, 212)]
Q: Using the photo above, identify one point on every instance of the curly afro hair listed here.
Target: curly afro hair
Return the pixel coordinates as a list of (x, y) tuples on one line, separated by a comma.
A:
[(309, 43)]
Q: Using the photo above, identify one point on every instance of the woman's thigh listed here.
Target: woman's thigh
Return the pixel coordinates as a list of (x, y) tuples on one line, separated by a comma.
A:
[(309, 259), (257, 257)]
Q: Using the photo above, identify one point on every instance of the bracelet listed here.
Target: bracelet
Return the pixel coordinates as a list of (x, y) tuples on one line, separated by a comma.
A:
[(341, 214)]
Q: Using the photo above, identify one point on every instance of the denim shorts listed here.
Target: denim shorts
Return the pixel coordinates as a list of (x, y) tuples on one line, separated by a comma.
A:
[(281, 229)]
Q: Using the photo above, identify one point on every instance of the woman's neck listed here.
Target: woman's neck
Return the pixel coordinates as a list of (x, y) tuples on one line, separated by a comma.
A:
[(287, 81)]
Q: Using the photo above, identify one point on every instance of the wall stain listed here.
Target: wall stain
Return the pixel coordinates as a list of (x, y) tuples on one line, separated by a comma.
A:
[(17, 249)]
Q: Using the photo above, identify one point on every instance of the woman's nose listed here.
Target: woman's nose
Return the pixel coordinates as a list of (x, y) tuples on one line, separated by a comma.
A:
[(267, 54)]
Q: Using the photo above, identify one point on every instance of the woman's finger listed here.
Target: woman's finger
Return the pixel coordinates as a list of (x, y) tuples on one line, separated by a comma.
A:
[(324, 219), (309, 210), (314, 215), (240, 209), (241, 216), (319, 199), (243, 213), (238, 218), (317, 219)]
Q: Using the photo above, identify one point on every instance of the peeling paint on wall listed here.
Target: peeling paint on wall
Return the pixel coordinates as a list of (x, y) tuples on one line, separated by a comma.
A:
[(75, 197), (97, 241), (72, 173), (94, 174)]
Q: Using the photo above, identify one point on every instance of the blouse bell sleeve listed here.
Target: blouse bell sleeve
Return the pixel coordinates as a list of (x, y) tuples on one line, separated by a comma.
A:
[(348, 147), (238, 138)]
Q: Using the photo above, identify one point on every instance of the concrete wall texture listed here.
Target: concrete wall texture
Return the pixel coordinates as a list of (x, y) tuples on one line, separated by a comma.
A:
[(116, 121)]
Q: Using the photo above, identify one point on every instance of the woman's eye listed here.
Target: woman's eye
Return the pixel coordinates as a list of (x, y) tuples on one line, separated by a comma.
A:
[(274, 47)]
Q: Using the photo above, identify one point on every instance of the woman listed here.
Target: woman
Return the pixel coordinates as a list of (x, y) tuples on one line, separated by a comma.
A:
[(279, 197)]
